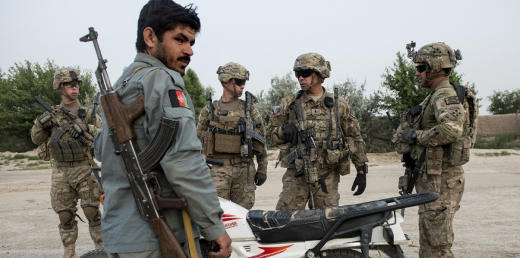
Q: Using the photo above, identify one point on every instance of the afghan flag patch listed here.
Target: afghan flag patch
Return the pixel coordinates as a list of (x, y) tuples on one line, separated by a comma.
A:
[(177, 98)]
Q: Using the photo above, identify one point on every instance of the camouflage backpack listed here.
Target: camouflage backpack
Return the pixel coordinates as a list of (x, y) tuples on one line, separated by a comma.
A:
[(459, 150)]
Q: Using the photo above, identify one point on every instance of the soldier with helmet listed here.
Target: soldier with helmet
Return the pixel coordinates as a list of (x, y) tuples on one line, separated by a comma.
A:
[(218, 130), (435, 135), (336, 134), (69, 148)]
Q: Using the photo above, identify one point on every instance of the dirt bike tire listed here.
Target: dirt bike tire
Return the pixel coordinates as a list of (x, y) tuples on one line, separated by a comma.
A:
[(96, 253)]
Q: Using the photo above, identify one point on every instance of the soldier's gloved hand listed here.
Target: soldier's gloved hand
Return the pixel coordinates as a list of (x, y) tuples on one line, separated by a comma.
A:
[(361, 180), (408, 135), (260, 178), (45, 120), (290, 133)]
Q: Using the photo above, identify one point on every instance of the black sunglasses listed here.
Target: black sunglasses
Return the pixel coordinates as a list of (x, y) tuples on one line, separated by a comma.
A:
[(72, 84), (303, 73), (239, 82), (420, 68)]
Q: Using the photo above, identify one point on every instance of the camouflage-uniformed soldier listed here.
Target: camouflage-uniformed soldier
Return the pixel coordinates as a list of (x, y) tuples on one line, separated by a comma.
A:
[(431, 130), (70, 153), (335, 147), (221, 138), (165, 35)]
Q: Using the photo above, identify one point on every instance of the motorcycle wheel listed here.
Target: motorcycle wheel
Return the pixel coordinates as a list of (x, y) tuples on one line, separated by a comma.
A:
[(341, 253), (96, 253)]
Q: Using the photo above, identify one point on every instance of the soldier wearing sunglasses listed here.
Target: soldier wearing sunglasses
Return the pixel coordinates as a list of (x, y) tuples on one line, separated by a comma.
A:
[(218, 130), (336, 134)]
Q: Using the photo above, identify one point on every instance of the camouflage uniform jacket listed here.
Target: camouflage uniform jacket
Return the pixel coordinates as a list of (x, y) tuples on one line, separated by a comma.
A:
[(41, 136), (439, 124), (323, 121), (235, 108), (185, 171)]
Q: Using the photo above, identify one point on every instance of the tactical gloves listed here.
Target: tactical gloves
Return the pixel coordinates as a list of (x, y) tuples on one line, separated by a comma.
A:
[(290, 133), (361, 180), (408, 135), (260, 179), (45, 120)]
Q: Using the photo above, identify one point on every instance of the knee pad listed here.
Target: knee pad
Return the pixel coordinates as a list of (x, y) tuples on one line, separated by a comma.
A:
[(93, 215), (67, 219)]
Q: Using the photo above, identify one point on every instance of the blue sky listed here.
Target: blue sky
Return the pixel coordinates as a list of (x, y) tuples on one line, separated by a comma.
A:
[(359, 38)]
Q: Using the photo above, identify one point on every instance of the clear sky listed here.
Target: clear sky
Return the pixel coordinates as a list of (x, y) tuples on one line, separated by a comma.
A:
[(359, 38)]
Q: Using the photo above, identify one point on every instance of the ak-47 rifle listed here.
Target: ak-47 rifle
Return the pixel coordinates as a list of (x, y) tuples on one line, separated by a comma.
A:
[(71, 126), (139, 165), (247, 129)]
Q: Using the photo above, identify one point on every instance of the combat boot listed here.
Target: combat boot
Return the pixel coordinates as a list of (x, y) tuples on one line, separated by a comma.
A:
[(70, 251), (95, 234)]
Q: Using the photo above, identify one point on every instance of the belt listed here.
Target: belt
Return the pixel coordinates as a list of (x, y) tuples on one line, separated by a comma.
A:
[(231, 161), (70, 163)]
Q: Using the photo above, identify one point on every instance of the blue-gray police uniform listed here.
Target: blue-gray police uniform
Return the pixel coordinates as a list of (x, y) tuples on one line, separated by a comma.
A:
[(186, 173)]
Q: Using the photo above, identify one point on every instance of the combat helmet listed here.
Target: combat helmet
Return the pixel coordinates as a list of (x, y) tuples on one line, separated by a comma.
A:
[(313, 61), (232, 70), (437, 56), (65, 75)]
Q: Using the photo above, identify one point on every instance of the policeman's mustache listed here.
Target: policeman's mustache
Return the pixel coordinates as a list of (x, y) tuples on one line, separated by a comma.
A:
[(184, 58)]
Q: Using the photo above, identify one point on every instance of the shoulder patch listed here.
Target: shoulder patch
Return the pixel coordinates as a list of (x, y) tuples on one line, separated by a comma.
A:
[(177, 98), (452, 100)]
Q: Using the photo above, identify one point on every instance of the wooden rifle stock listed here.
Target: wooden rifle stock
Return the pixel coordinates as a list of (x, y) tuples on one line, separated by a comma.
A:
[(120, 117), (170, 247)]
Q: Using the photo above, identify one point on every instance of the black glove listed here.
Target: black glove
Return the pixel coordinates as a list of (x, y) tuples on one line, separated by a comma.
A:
[(45, 120), (361, 180), (260, 179), (408, 135), (290, 133)]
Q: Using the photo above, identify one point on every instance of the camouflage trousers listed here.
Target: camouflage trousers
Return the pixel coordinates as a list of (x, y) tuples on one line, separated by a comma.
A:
[(436, 218), (231, 183), (295, 193), (70, 183)]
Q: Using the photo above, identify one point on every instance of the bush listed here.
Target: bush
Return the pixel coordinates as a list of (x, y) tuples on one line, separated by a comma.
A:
[(502, 141)]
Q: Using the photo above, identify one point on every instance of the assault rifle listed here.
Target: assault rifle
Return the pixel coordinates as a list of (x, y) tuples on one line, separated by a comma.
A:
[(247, 128), (412, 167), (71, 126), (304, 150), (139, 165)]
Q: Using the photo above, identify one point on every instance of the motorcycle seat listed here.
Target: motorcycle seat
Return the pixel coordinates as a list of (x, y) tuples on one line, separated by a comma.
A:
[(304, 225)]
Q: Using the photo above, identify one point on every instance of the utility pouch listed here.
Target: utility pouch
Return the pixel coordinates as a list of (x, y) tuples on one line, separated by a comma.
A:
[(344, 167), (227, 143), (434, 160), (333, 156), (209, 143), (458, 152), (43, 152)]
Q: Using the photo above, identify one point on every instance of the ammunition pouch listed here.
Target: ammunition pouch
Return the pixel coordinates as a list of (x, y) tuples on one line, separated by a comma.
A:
[(227, 138), (338, 157), (227, 143), (434, 157), (65, 150), (313, 171), (43, 152), (208, 139), (459, 151)]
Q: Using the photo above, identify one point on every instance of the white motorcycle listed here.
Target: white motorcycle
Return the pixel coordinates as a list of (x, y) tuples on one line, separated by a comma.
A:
[(344, 231)]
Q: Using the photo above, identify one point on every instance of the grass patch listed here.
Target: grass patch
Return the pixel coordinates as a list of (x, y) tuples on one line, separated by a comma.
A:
[(33, 158), (495, 154), (501, 141)]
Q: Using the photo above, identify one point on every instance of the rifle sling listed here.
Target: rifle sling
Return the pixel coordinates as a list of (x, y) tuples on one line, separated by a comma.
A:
[(163, 139)]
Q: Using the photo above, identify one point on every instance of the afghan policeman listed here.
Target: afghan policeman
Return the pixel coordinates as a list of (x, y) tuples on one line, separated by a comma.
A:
[(165, 35), (69, 150), (435, 133), (336, 139), (219, 130)]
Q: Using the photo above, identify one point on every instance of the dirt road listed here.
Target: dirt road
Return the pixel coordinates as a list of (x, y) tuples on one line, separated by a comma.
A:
[(487, 225)]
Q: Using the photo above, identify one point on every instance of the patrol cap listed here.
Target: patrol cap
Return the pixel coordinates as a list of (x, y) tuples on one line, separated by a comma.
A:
[(65, 75), (313, 61), (232, 70)]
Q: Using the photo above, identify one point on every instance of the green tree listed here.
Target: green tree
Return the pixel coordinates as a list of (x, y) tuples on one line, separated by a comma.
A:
[(401, 91), (505, 102), (281, 87), (19, 87), (197, 92)]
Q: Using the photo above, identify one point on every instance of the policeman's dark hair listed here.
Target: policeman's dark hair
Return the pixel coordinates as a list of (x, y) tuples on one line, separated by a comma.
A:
[(164, 15)]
